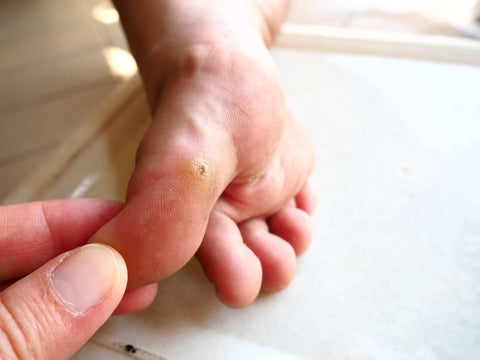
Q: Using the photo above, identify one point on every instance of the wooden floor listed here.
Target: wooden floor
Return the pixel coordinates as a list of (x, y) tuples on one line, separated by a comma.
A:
[(54, 72)]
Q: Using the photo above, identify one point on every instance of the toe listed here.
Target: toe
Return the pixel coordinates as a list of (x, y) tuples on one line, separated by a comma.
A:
[(135, 300), (293, 225), (307, 198), (176, 182), (276, 255), (229, 264)]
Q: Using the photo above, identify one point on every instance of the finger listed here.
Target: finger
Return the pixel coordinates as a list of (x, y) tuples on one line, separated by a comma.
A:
[(52, 312), (230, 265), (34, 233)]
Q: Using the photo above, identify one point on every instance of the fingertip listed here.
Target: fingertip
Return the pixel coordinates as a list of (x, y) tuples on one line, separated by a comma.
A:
[(120, 285), (88, 276), (74, 293)]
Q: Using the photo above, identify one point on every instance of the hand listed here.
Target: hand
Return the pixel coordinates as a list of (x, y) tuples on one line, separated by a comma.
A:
[(223, 168), (51, 312)]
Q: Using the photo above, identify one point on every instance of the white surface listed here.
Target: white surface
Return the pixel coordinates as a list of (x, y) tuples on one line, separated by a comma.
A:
[(394, 269), (319, 11)]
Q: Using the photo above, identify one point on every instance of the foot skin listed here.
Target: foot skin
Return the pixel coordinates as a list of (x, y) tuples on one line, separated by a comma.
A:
[(222, 172)]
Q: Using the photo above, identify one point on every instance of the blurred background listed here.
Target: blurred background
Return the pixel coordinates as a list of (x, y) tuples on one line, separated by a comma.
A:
[(446, 17), (60, 58)]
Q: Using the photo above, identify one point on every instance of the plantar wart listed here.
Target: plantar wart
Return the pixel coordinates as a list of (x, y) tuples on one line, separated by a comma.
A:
[(197, 167)]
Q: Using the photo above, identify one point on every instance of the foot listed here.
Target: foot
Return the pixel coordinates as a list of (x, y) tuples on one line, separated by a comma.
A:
[(223, 169)]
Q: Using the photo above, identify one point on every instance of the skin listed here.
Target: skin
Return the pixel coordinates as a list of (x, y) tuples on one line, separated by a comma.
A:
[(33, 323), (222, 171)]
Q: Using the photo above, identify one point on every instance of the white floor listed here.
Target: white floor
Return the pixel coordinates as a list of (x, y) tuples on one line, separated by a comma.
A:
[(393, 272), (432, 11)]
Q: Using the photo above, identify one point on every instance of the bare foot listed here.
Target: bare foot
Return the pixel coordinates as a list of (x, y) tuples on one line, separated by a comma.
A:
[(223, 170), (225, 162)]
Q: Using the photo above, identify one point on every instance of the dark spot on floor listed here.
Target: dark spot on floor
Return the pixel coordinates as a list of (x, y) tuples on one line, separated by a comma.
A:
[(130, 348)]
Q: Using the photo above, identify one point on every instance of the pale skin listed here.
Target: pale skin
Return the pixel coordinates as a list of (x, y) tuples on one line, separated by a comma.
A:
[(222, 173)]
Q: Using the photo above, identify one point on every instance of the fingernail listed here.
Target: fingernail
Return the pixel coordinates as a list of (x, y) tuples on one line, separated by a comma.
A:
[(84, 277)]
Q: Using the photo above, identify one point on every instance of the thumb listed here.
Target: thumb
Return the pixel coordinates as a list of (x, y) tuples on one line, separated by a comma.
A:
[(53, 311)]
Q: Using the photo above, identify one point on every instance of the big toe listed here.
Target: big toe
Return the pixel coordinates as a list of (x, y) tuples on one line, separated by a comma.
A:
[(177, 180)]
